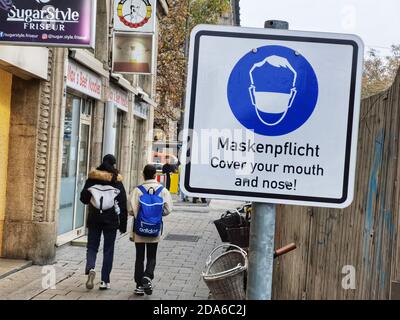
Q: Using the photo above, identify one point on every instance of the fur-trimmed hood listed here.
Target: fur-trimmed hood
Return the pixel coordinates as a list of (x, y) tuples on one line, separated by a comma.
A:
[(103, 176)]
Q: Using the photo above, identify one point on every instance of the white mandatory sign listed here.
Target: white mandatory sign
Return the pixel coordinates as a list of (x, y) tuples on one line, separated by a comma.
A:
[(273, 115)]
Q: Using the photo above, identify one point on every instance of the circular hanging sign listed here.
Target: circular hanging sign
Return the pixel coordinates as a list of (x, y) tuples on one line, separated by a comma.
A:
[(134, 13)]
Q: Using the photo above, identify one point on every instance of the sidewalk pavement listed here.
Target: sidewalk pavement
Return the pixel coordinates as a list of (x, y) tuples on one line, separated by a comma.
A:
[(180, 262), (10, 266)]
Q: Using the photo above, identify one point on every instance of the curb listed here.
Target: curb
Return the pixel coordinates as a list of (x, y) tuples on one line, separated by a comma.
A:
[(16, 269)]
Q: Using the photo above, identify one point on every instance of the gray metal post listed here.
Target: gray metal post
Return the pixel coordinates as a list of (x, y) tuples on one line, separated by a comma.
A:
[(276, 24), (261, 251), (262, 234)]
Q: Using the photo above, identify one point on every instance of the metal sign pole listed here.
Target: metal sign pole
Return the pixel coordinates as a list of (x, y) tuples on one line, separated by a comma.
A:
[(262, 234), (261, 251)]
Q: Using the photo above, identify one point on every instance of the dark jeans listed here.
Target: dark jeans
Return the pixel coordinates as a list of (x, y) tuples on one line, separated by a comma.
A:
[(168, 181), (151, 254), (93, 244), (203, 200)]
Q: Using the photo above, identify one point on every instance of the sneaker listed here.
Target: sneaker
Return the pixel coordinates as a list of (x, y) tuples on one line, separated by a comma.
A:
[(90, 280), (139, 291), (147, 285), (104, 285)]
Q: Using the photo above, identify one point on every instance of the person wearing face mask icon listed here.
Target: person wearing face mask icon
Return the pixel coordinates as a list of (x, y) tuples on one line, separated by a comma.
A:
[(273, 89)]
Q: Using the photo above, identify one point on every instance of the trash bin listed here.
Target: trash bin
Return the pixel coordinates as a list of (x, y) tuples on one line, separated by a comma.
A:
[(174, 188), (162, 179), (225, 274)]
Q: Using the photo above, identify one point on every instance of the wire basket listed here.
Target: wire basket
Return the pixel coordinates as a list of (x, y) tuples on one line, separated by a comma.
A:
[(225, 274)]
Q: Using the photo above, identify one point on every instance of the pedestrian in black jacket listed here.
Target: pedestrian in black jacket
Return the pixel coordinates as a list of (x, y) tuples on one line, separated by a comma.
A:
[(168, 169), (105, 222)]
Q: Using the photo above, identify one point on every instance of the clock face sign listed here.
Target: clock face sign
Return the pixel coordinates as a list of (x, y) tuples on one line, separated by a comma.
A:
[(134, 15)]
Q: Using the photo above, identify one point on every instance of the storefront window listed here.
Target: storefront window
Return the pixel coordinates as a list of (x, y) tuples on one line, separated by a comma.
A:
[(87, 106)]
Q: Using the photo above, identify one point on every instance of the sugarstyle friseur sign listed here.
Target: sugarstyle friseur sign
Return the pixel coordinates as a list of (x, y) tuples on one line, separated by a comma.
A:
[(48, 22)]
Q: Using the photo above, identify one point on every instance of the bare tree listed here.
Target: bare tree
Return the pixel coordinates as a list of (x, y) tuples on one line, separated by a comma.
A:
[(379, 72), (171, 73)]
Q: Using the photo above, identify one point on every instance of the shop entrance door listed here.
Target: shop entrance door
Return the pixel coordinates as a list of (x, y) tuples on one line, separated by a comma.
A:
[(83, 170), (71, 222)]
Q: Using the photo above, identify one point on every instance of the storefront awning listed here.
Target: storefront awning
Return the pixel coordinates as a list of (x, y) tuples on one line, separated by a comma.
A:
[(18, 61)]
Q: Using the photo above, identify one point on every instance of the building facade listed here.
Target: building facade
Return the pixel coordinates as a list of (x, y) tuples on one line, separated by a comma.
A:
[(56, 124)]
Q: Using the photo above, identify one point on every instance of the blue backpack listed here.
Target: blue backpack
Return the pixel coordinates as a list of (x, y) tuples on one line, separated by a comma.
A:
[(149, 219)]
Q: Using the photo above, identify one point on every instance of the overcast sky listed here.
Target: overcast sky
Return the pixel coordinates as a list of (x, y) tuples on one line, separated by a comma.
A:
[(377, 22)]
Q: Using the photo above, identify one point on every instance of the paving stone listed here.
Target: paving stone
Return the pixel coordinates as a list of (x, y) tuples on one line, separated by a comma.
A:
[(163, 285), (185, 270), (74, 295), (127, 296), (179, 283), (182, 276), (58, 292), (63, 297), (88, 297), (169, 297), (175, 288), (189, 289), (185, 296), (44, 296)]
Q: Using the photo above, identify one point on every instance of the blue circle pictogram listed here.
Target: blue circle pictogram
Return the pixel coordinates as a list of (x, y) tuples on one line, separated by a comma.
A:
[(273, 90)]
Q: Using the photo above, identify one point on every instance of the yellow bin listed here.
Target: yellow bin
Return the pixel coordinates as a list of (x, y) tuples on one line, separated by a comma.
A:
[(174, 183)]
